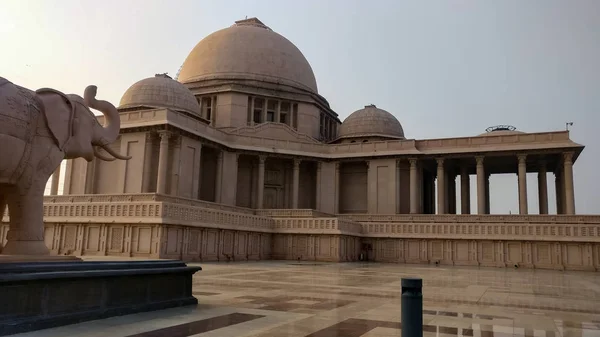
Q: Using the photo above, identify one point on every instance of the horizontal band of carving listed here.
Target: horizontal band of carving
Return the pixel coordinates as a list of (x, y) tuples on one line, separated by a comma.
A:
[(574, 219), (291, 213), (526, 232)]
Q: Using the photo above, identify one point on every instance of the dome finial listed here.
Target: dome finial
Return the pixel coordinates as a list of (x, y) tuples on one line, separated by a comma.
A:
[(370, 106), (164, 75)]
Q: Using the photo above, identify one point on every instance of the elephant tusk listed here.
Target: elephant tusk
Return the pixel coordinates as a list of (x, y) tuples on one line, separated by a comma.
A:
[(101, 156), (114, 154)]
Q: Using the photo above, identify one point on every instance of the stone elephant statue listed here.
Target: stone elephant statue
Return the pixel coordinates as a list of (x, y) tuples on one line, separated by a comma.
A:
[(38, 129)]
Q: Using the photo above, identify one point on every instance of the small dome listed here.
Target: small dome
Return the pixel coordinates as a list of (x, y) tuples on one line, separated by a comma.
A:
[(248, 50), (160, 91), (501, 130), (371, 121)]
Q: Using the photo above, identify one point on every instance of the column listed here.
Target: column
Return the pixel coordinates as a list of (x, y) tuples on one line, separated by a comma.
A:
[(261, 182), (559, 191), (176, 165), (488, 209), (295, 183), (219, 177), (163, 156), (522, 172), (568, 183), (543, 188), (465, 191), (147, 170), (397, 187), (451, 197), (414, 198), (278, 113), (480, 185), (55, 181), (337, 188), (441, 187), (318, 187), (252, 111)]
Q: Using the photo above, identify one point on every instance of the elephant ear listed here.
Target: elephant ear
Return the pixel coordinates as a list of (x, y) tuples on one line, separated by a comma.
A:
[(60, 114)]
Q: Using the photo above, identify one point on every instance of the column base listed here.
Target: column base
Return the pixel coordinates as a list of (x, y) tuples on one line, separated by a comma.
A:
[(21, 247)]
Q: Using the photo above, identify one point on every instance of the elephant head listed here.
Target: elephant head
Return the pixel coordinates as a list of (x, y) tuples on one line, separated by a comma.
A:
[(76, 129)]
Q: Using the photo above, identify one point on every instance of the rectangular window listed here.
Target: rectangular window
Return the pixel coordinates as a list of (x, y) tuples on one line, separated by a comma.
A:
[(283, 118), (270, 116)]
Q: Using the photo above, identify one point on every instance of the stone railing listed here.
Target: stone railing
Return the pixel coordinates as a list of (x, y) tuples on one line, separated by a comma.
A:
[(292, 213), (485, 231), (556, 139), (142, 197), (178, 214), (315, 226), (472, 218)]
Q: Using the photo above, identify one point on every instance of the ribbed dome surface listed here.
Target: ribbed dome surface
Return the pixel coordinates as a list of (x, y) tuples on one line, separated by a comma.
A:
[(248, 50), (371, 121), (160, 91)]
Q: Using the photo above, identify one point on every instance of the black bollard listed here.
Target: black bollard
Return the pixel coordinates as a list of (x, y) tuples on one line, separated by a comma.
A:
[(412, 307)]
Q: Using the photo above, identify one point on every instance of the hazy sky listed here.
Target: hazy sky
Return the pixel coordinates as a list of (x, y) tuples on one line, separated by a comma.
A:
[(443, 68)]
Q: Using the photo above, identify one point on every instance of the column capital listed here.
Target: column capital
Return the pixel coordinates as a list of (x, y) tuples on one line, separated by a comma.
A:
[(440, 161), (220, 155), (319, 164), (413, 162), (568, 157), (262, 159), (150, 136), (164, 135), (479, 160), (522, 158), (297, 162), (337, 166)]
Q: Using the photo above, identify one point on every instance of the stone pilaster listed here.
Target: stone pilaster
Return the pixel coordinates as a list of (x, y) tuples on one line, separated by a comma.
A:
[(261, 182), (219, 177), (147, 170), (295, 183), (163, 156)]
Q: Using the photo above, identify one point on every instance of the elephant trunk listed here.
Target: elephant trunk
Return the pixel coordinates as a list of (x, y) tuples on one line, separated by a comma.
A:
[(112, 123)]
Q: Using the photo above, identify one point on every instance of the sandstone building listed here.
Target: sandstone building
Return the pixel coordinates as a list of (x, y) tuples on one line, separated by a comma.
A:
[(242, 158)]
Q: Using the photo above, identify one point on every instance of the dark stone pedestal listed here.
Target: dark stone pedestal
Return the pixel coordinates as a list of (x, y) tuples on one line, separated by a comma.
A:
[(41, 295)]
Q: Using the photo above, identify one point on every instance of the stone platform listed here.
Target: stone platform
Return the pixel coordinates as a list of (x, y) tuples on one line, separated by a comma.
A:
[(40, 295)]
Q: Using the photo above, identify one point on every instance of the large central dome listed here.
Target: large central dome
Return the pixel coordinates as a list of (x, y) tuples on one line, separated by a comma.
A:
[(248, 50)]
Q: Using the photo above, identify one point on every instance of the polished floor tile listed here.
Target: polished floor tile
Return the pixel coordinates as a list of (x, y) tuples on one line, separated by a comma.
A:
[(288, 298)]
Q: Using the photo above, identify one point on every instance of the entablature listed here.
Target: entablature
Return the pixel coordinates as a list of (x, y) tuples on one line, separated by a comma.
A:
[(557, 141)]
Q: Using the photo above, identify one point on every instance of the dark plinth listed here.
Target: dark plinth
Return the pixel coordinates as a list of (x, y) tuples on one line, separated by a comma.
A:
[(40, 295)]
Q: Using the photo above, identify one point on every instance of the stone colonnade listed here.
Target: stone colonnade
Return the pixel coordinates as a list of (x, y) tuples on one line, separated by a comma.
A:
[(564, 187), (446, 182)]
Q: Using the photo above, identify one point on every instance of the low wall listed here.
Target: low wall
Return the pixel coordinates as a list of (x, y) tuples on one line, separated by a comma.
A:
[(157, 226)]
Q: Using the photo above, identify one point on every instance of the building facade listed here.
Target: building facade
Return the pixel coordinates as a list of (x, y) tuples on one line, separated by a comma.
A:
[(241, 158)]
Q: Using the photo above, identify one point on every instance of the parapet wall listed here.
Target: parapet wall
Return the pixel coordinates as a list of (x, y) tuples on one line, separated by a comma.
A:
[(158, 226)]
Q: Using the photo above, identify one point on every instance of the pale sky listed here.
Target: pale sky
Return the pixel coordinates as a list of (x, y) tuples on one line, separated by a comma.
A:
[(443, 68)]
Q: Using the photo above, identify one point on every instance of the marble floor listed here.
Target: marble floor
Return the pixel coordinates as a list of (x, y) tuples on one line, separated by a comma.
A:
[(287, 298)]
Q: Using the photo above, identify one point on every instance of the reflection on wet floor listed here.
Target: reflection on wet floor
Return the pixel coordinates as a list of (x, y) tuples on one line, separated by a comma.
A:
[(263, 299)]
